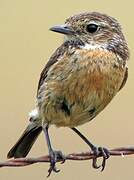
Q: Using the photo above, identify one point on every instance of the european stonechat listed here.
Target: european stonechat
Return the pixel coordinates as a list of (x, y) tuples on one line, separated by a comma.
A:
[(78, 82)]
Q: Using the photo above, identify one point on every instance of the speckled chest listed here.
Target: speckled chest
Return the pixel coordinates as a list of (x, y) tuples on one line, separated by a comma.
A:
[(79, 85)]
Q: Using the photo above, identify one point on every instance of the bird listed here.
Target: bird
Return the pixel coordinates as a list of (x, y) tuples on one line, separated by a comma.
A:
[(79, 80)]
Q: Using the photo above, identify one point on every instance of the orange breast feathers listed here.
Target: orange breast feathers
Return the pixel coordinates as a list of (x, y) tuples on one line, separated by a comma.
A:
[(85, 80), (86, 71), (95, 70)]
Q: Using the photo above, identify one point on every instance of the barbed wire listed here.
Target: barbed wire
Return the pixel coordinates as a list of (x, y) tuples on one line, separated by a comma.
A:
[(122, 151)]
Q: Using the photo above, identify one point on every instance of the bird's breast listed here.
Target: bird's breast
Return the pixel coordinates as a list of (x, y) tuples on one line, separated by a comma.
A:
[(78, 87)]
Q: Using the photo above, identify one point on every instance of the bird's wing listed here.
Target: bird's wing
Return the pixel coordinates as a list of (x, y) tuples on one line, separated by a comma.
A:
[(55, 57), (125, 79)]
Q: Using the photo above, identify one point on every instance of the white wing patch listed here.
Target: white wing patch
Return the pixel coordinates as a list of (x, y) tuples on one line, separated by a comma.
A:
[(34, 114)]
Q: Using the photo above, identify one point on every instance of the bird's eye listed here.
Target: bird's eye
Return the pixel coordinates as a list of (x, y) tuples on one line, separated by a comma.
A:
[(92, 28)]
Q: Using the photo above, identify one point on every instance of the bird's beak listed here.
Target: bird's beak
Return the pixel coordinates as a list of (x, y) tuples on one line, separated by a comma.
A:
[(63, 29)]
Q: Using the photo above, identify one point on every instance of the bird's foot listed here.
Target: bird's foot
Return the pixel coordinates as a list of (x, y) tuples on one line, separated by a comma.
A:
[(55, 156), (100, 151)]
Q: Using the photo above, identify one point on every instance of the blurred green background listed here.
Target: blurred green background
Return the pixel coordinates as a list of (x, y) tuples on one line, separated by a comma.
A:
[(25, 46)]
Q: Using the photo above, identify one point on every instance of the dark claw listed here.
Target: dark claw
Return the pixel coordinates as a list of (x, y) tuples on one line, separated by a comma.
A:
[(52, 168), (63, 161), (103, 164), (105, 154), (94, 164), (100, 151), (55, 156)]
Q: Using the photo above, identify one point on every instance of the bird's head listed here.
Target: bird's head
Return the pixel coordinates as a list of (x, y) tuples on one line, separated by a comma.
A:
[(95, 30)]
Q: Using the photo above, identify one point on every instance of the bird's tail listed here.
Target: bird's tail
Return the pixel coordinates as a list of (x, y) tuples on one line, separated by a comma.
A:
[(26, 141)]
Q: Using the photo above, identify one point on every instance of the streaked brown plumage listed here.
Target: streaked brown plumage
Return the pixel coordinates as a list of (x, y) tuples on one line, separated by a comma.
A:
[(79, 80)]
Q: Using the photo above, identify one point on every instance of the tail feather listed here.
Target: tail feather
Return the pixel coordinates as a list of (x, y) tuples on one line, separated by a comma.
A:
[(25, 142)]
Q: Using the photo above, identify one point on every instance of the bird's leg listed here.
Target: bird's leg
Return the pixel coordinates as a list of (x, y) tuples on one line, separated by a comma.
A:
[(96, 150), (55, 156)]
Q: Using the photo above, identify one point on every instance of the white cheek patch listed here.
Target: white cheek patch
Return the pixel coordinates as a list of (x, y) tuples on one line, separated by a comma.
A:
[(34, 114)]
